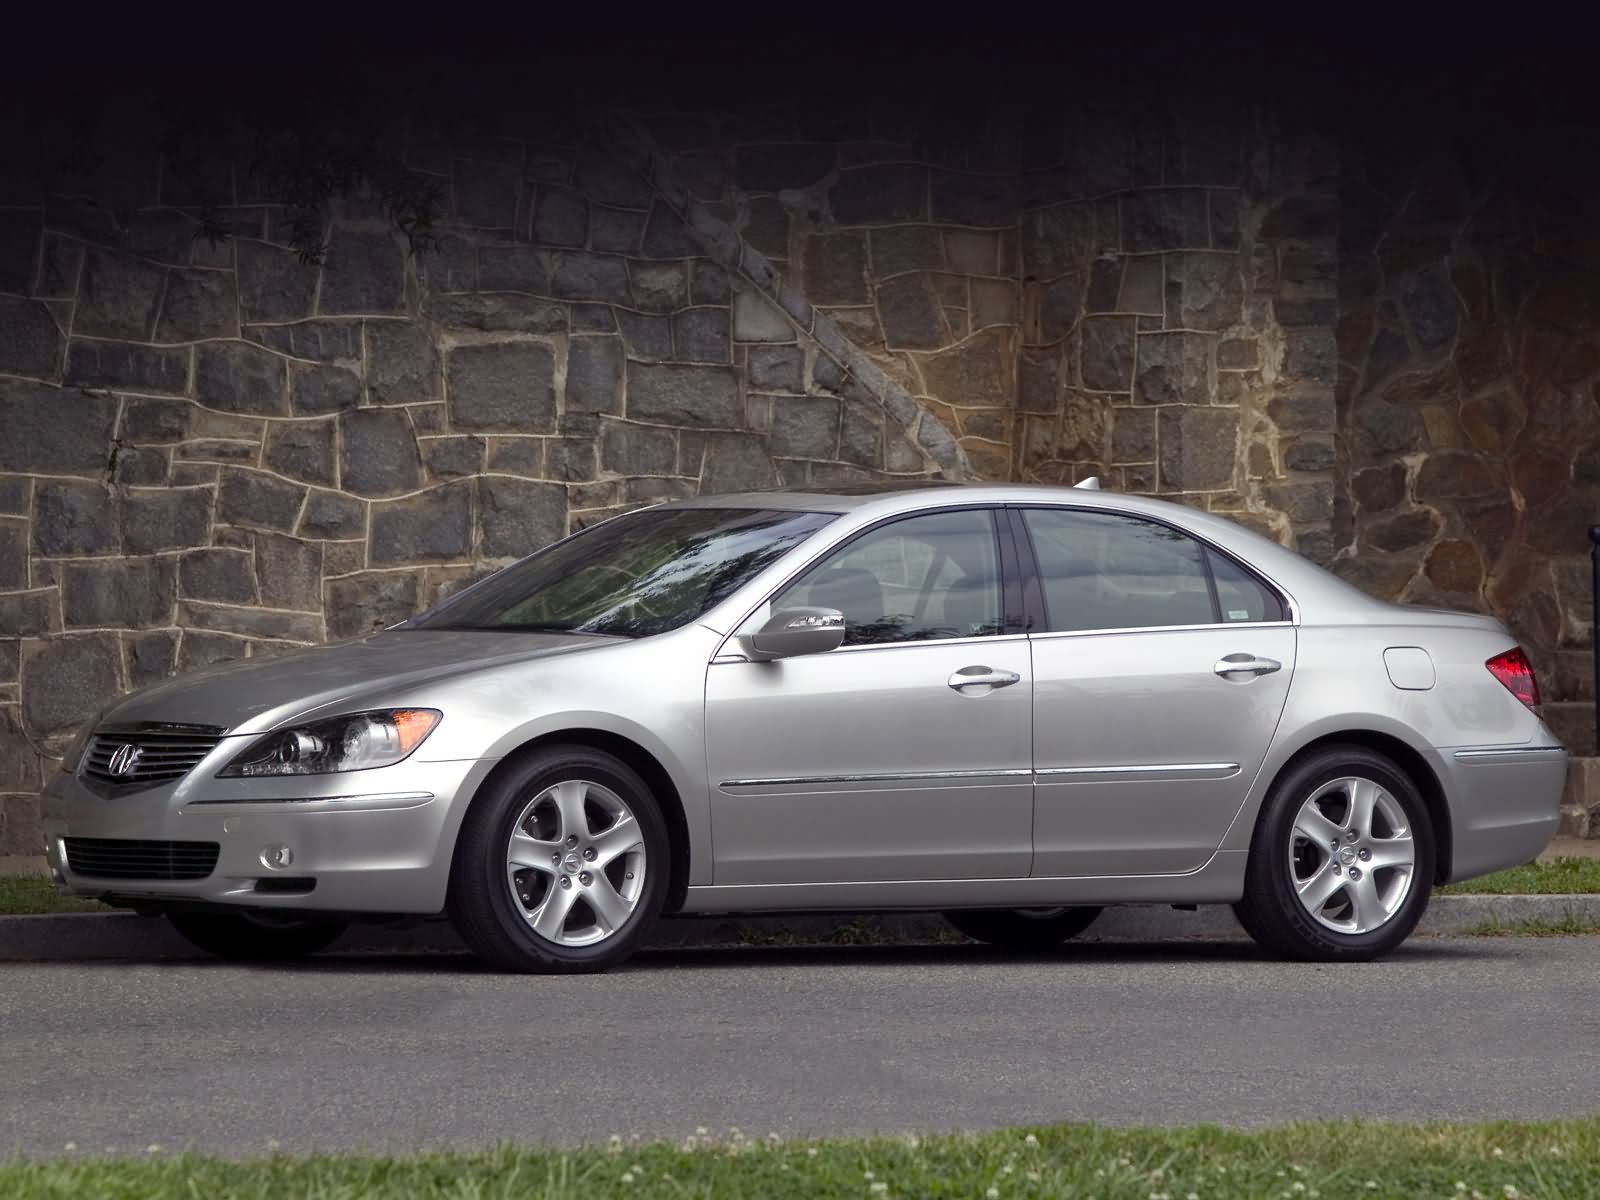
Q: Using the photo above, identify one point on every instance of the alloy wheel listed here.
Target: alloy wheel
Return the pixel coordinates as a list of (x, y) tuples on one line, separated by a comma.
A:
[(1352, 858), (575, 863)]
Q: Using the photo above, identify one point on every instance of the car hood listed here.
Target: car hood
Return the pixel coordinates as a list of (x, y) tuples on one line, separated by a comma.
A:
[(252, 695)]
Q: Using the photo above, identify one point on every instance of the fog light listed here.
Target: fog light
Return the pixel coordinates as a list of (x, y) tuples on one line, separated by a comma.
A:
[(276, 858)]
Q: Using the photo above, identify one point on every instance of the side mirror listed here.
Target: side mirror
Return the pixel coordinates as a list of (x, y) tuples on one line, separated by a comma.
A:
[(794, 631)]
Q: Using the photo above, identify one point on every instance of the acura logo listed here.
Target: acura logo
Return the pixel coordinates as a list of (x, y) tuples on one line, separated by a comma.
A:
[(124, 760)]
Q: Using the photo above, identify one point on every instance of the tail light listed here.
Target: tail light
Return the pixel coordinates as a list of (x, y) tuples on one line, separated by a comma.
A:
[(1515, 671)]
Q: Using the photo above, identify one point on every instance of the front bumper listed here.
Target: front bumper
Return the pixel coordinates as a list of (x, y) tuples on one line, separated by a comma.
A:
[(1505, 803), (375, 841)]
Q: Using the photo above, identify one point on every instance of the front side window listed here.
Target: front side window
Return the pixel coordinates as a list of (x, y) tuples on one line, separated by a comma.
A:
[(641, 574), (917, 579), (1105, 571)]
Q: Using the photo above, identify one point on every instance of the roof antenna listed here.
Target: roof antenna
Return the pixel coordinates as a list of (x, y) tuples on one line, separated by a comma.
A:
[(1091, 484)]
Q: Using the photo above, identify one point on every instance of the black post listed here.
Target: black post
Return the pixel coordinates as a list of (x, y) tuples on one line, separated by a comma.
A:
[(1594, 557)]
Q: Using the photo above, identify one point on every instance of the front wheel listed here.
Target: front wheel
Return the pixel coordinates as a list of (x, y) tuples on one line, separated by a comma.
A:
[(1023, 928), (1342, 861), (256, 936), (562, 864)]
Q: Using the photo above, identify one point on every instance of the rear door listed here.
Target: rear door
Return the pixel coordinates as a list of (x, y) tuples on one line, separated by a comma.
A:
[(1161, 667)]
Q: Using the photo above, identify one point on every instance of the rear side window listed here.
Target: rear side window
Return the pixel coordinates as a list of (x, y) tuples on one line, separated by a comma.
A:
[(1240, 595), (1109, 571)]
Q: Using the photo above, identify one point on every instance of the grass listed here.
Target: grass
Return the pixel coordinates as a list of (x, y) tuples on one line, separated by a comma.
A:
[(1503, 1161), (1569, 924), (36, 894), (1559, 876)]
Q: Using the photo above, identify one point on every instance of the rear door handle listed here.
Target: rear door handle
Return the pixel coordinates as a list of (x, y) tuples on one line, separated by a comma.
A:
[(1246, 664), (981, 677)]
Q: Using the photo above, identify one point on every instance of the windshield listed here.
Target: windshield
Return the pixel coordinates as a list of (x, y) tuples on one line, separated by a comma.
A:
[(638, 575)]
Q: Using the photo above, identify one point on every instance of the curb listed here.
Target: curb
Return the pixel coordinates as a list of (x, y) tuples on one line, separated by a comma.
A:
[(91, 937)]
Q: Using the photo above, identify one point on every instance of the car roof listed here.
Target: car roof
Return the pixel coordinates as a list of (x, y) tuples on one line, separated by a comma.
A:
[(1307, 584)]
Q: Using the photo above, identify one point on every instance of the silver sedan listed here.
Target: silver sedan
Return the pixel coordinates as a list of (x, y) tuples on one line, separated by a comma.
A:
[(1015, 705)]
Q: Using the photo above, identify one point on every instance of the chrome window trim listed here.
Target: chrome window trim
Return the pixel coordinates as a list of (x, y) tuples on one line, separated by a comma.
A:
[(725, 656), (885, 777), (1077, 633), (1290, 605)]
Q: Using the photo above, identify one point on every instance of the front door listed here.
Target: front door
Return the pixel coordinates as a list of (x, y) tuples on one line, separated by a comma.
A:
[(1159, 680), (905, 754)]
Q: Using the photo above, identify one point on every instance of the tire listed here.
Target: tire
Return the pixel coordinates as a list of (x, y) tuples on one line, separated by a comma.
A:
[(574, 901), (1362, 917), (256, 937), (1023, 928)]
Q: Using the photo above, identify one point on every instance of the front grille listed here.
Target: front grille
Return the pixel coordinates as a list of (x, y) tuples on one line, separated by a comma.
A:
[(160, 753), (123, 858)]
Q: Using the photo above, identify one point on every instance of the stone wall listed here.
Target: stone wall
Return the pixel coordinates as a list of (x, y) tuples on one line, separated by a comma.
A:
[(1469, 388), (212, 450)]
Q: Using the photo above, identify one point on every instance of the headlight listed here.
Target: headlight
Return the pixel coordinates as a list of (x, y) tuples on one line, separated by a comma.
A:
[(351, 743)]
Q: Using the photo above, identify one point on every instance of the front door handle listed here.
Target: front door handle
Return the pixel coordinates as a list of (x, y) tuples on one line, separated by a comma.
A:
[(1246, 664), (985, 678)]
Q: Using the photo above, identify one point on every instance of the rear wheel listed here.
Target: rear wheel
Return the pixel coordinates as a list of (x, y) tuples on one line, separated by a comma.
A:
[(256, 936), (1023, 928), (561, 865), (1342, 861)]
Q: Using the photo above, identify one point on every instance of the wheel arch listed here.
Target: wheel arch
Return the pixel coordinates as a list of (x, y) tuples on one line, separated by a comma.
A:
[(649, 768), (1409, 760)]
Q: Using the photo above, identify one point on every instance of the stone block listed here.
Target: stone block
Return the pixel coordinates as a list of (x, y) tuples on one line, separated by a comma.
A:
[(365, 273), (1309, 453), (72, 518), (1039, 381), (197, 649), (708, 283), (666, 236), (273, 284), (1454, 475), (124, 593), (627, 449), (509, 387), (54, 430), (616, 230), (148, 421), (994, 302), (1166, 219), (1174, 368), (678, 394), (560, 218), (776, 166), (333, 341), (198, 303), (1238, 354), (272, 624), (960, 198), (379, 455), (243, 378), (834, 268), (19, 249), (124, 366), (570, 459), (304, 451), (1133, 435), (333, 515), (1105, 283), (1199, 448), (485, 194), (518, 516), (1106, 353), (452, 457), (118, 296), (658, 286), (896, 249), (492, 312), (736, 462), (60, 266), (1204, 291), (776, 368), (10, 659), (581, 275), (1310, 356), (609, 180), (149, 657), (1429, 304), (169, 519), (1060, 305), (29, 614), (1302, 503), (861, 435), (909, 310), (972, 252), (218, 574), (13, 554), (700, 335), (757, 319), (66, 679), (288, 572), (647, 336), (518, 456), (1058, 240), (514, 269), (880, 194), (1143, 284), (30, 339), (805, 427), (1403, 531), (979, 372), (257, 500), (433, 526), (141, 467)]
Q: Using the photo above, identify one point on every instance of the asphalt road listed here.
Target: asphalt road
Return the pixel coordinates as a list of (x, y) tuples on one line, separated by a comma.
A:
[(433, 1051)]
